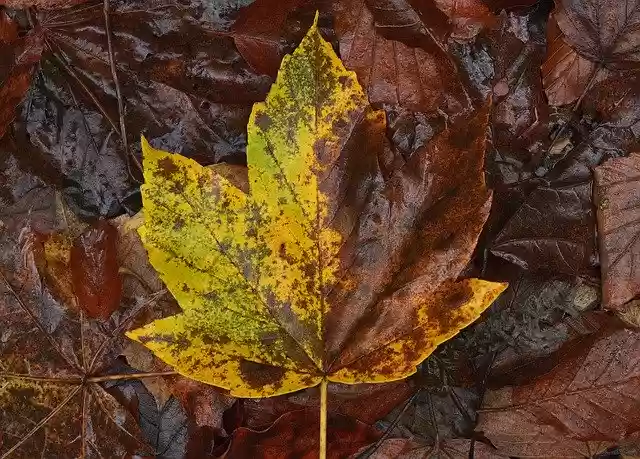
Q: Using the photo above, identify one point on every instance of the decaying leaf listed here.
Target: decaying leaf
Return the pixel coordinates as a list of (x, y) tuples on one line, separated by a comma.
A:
[(587, 402), (584, 48), (52, 362), (399, 55), (618, 203), (94, 269), (293, 436), (565, 73), (324, 270), (612, 42), (19, 58)]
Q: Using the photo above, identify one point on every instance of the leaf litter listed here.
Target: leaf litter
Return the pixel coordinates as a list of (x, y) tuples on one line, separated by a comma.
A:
[(562, 131)]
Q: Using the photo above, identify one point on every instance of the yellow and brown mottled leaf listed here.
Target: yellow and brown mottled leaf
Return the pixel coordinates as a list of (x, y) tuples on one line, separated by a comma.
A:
[(322, 268)]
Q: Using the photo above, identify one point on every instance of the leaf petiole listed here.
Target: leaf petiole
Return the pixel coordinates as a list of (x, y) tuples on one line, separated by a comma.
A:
[(323, 419)]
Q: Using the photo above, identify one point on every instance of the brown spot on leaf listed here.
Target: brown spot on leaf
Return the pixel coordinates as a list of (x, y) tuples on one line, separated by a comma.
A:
[(258, 375)]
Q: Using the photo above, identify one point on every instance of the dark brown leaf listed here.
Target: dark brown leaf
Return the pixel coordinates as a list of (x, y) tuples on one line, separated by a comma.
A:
[(467, 17), (365, 402), (94, 269), (554, 230), (19, 58), (259, 36), (605, 31), (42, 4), (415, 72), (68, 128), (588, 396), (618, 202), (565, 73), (413, 448), (294, 436)]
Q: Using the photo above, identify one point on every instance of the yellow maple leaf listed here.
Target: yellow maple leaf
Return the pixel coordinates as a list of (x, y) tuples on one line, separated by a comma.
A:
[(325, 269)]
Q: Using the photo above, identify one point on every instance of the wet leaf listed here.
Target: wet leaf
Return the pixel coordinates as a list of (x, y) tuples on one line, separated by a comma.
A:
[(618, 203), (263, 42), (565, 73), (586, 399), (94, 269), (19, 58), (612, 42), (399, 54), (365, 402), (554, 230), (293, 435), (323, 270), (408, 448), (52, 360), (468, 17), (67, 129)]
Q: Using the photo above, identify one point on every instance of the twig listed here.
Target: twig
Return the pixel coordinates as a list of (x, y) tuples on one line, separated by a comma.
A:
[(372, 449), (116, 82), (126, 376)]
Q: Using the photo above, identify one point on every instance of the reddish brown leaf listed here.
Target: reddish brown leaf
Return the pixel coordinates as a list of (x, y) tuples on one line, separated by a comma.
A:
[(554, 230), (588, 396), (416, 72), (518, 434), (258, 33), (20, 58), (366, 402), (294, 436), (565, 73), (468, 17), (42, 4), (604, 31), (51, 362), (414, 448), (94, 269), (8, 29), (497, 5), (618, 203)]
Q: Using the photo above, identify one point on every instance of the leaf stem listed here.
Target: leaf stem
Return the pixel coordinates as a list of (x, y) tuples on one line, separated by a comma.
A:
[(323, 419), (120, 377)]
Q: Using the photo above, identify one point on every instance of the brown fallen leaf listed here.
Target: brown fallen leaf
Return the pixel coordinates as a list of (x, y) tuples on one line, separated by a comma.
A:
[(612, 42), (415, 448), (94, 270), (554, 229), (261, 42), (617, 198), (399, 54), (584, 403), (294, 436), (584, 49), (468, 17), (19, 58), (52, 362), (519, 434), (565, 73)]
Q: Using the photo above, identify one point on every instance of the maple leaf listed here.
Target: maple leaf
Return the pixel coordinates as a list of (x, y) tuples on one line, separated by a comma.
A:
[(618, 203), (322, 272), (285, 266), (52, 362), (585, 404)]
